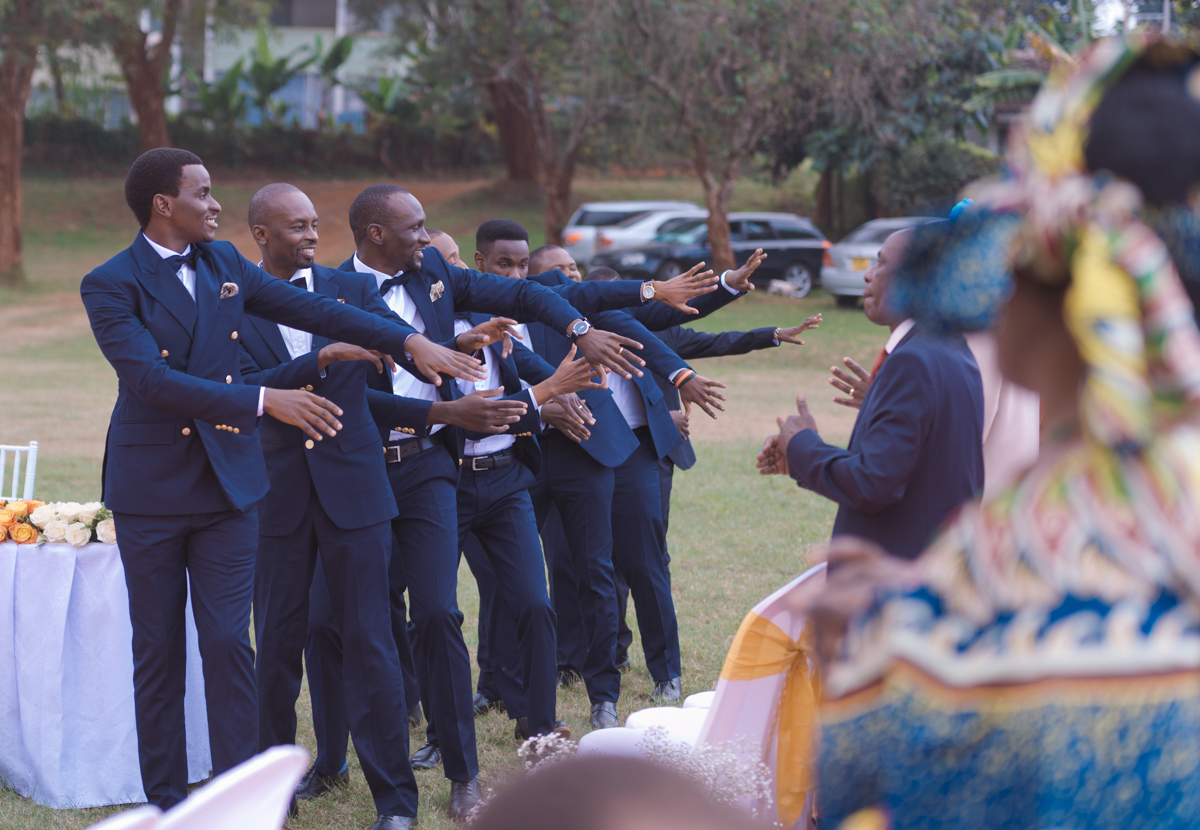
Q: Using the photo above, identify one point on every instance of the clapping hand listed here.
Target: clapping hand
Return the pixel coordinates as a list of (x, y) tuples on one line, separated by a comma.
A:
[(772, 458), (739, 279), (788, 335), (677, 291), (703, 393), (855, 387), (569, 424), (485, 334)]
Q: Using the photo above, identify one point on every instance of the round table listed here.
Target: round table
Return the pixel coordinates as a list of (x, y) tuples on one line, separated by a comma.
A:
[(68, 737)]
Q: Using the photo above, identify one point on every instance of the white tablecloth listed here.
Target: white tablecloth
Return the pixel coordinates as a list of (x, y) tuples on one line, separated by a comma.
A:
[(68, 737)]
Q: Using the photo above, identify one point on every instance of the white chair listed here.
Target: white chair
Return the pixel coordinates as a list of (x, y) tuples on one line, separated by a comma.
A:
[(741, 712), (30, 453), (145, 817), (252, 796)]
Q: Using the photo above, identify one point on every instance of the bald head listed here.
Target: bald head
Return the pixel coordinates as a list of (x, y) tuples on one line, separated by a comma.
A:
[(878, 279), (283, 222), (551, 258)]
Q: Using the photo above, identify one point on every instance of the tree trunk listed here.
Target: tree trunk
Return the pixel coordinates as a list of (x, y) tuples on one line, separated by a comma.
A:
[(518, 137), (839, 201), (145, 73), (824, 218), (16, 77), (56, 75), (717, 196), (558, 198)]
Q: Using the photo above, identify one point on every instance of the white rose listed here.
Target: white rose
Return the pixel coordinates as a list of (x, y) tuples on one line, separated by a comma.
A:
[(68, 511), (43, 515), (55, 531), (79, 534), (87, 513), (106, 532)]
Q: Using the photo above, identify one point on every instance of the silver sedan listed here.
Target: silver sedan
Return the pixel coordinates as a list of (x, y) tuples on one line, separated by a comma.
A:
[(846, 263)]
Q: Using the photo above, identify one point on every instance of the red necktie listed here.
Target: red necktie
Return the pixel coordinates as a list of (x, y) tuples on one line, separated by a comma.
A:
[(883, 355)]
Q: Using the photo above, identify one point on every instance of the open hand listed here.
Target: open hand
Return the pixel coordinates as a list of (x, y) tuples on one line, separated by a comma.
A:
[(431, 359), (739, 279), (312, 413), (603, 348), (797, 423), (485, 334), (772, 460), (856, 387), (576, 405), (789, 335), (677, 291), (571, 376), (703, 393), (335, 352), (482, 411), (570, 425)]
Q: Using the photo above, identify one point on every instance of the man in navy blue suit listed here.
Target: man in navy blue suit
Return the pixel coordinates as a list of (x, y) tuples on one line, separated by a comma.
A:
[(183, 466), (916, 451)]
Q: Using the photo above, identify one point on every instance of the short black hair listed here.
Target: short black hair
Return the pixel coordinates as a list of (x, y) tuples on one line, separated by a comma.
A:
[(603, 274), (538, 254), (262, 202), (371, 208), (497, 230), (153, 172)]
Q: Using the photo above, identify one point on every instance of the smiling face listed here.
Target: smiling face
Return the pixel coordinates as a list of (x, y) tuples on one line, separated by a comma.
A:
[(878, 277), (558, 259), (191, 216), (507, 257), (288, 238), (398, 243)]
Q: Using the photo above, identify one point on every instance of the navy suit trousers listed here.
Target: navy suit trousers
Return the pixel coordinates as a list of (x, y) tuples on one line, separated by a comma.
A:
[(639, 555), (666, 474), (354, 570), (498, 655), (494, 505), (582, 490), (161, 555)]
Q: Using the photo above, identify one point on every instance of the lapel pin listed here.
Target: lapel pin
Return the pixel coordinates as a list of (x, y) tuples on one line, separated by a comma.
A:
[(340, 300), (229, 289), (435, 291)]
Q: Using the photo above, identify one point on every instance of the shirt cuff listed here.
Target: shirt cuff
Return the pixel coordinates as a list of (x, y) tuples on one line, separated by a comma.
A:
[(725, 285), (262, 396), (533, 398), (671, 377)]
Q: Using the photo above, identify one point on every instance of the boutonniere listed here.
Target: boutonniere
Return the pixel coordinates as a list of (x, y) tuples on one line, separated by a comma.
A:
[(436, 290), (229, 289), (340, 300)]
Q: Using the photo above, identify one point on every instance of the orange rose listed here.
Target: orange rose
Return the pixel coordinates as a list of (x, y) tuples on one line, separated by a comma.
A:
[(3, 532), (7, 516), (23, 534), (33, 504), (19, 508)]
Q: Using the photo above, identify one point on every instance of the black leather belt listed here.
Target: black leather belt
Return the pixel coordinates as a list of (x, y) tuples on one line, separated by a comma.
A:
[(490, 462), (396, 452), (642, 433)]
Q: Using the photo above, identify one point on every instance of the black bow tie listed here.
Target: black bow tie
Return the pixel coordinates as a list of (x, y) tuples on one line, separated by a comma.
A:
[(301, 283), (179, 260), (400, 279)]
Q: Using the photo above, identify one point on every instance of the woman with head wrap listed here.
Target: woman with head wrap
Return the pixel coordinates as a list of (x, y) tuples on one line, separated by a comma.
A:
[(1039, 665)]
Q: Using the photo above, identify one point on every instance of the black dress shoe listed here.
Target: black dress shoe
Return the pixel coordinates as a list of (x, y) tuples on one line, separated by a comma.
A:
[(464, 796), (427, 757), (394, 823), (315, 784), (604, 715), (415, 716), (521, 729), (484, 704), (668, 691)]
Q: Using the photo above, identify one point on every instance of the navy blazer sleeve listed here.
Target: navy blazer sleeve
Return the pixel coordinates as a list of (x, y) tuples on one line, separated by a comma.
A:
[(659, 316), (594, 296), (690, 344), (530, 422), (659, 359), (875, 474), (295, 374), (398, 411), (531, 367)]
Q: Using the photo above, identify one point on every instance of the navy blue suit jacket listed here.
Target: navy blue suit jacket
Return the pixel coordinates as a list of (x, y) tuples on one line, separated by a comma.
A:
[(347, 471), (916, 452), (179, 371), (690, 344)]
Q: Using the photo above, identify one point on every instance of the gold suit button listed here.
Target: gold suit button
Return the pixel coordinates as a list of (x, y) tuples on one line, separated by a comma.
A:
[(308, 445), (235, 430), (164, 353), (229, 378), (308, 388), (233, 336), (187, 431)]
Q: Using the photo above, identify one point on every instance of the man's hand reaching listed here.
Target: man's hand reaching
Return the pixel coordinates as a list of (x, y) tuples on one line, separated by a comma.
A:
[(603, 348), (772, 458), (481, 411), (432, 359), (677, 291), (571, 376), (772, 461), (312, 413), (485, 334), (703, 393), (569, 424), (739, 279), (336, 352), (856, 387), (790, 334)]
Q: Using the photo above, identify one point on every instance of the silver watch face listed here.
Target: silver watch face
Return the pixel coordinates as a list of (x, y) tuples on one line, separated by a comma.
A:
[(647, 291)]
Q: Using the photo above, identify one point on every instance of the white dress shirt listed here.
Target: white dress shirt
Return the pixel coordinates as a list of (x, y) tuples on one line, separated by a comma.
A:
[(899, 334), (298, 342), (628, 399), (187, 276), (403, 382), (493, 443)]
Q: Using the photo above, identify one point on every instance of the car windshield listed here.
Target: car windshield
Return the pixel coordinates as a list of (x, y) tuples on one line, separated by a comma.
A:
[(683, 231), (872, 234), (600, 218)]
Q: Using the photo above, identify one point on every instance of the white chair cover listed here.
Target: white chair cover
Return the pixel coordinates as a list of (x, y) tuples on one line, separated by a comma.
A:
[(700, 700), (139, 818), (252, 796)]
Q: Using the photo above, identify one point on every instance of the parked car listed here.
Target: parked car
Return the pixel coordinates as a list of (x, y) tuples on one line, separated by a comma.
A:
[(847, 262), (586, 225), (793, 245)]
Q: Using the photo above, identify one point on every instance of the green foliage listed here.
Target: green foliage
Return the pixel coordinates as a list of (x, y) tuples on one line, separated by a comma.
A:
[(222, 103), (926, 175), (268, 74), (332, 60)]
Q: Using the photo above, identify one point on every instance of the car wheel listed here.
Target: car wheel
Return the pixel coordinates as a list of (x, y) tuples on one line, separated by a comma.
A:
[(667, 270), (800, 278), (846, 301)]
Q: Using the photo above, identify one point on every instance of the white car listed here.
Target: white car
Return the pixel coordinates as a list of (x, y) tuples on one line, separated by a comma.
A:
[(846, 262), (633, 223)]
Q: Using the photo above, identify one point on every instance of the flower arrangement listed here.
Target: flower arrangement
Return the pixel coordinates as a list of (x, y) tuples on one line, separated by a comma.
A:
[(29, 522)]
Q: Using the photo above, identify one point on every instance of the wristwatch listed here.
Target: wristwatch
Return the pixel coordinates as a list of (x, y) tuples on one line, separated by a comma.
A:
[(775, 336), (648, 291), (578, 329)]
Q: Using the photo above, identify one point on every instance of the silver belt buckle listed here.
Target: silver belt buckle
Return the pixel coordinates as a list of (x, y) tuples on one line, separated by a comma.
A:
[(474, 461)]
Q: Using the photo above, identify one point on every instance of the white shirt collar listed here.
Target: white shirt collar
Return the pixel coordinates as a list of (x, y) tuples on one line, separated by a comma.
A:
[(899, 334), (302, 272), (165, 252), (362, 268)]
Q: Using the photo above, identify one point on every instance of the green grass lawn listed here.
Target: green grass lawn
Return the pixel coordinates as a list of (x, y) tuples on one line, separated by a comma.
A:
[(735, 535)]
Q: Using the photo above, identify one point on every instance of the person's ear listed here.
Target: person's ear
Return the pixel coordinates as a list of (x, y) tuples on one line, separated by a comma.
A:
[(375, 234), (478, 261), (260, 234), (162, 205)]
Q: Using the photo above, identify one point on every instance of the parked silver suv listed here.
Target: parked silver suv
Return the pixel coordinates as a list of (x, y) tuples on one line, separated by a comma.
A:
[(633, 223)]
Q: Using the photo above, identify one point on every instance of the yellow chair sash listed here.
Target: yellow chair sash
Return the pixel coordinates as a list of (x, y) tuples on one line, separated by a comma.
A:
[(762, 649)]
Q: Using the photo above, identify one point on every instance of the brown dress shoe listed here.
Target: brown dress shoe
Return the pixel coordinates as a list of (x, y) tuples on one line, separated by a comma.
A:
[(464, 795)]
